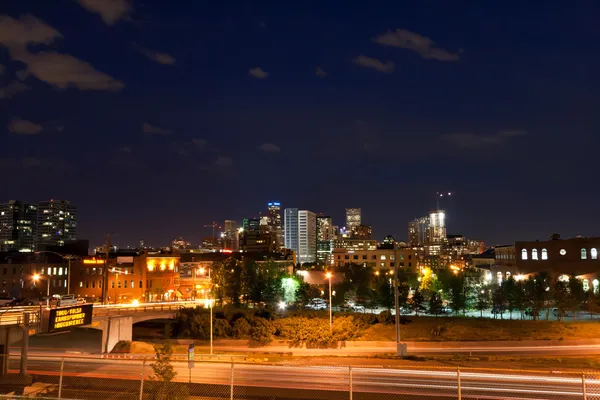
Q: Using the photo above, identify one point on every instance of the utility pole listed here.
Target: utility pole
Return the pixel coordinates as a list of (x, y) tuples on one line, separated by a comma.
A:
[(105, 272), (399, 346)]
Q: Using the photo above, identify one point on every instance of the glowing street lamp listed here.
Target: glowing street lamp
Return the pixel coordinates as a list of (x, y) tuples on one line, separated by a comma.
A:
[(37, 278), (328, 276)]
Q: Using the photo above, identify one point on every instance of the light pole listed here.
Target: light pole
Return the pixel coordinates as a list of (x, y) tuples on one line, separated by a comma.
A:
[(67, 257), (37, 278), (399, 347), (328, 276), (202, 271)]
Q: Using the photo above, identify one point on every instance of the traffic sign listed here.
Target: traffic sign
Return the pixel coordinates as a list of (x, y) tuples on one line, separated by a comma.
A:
[(191, 356)]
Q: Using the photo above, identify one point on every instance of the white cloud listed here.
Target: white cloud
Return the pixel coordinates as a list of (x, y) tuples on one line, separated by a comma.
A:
[(155, 130), (59, 70), (12, 89), (320, 72), (111, 11), (472, 141), (161, 58), (200, 142), (368, 62), (269, 148), (17, 34), (63, 71), (30, 162), (24, 127), (413, 41), (223, 161), (258, 72)]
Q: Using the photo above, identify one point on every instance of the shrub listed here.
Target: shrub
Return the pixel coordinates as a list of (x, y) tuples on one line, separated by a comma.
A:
[(241, 328), (221, 328), (262, 331), (385, 317), (347, 328)]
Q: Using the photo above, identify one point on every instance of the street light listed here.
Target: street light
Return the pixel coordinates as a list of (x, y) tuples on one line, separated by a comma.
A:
[(202, 272), (37, 278), (328, 276), (67, 257)]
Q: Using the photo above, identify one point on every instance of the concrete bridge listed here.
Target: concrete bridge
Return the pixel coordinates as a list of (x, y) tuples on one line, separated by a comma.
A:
[(115, 322)]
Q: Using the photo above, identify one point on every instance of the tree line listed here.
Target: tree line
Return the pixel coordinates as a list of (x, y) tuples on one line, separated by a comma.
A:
[(244, 283)]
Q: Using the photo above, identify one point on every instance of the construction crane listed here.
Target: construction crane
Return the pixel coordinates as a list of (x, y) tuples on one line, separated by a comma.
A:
[(214, 225), (440, 195)]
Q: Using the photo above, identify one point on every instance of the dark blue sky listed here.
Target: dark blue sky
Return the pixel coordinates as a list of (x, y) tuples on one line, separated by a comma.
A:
[(158, 117)]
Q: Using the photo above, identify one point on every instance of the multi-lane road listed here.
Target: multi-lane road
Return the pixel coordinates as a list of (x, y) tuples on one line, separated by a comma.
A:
[(215, 379)]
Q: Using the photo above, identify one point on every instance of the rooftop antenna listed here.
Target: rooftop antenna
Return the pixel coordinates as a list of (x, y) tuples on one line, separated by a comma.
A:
[(440, 195)]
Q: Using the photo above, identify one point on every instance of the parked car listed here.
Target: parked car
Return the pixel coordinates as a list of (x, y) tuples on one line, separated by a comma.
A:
[(67, 300), (6, 301)]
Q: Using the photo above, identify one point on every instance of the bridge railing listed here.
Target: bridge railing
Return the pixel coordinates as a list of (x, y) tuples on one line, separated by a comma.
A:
[(17, 318), (61, 378), (102, 311)]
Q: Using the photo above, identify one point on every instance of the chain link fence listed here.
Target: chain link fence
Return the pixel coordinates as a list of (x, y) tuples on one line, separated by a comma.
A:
[(140, 379)]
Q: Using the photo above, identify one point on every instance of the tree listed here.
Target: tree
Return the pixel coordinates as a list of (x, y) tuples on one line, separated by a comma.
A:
[(435, 303), (510, 291), (576, 295), (562, 298), (384, 290), (162, 387), (498, 301), (417, 302), (483, 300)]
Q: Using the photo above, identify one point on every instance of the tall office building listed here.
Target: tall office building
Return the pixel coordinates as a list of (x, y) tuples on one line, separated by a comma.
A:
[(230, 235), (56, 223), (301, 234), (418, 231), (353, 219), (324, 228), (437, 227), (17, 226), (276, 223)]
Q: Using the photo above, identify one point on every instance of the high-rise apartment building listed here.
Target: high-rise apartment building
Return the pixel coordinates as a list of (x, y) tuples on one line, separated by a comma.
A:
[(418, 231), (56, 223), (276, 223), (17, 226), (230, 235), (353, 219), (437, 226), (324, 228), (301, 234)]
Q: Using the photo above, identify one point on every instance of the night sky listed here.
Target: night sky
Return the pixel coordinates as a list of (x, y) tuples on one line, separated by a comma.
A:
[(157, 117)]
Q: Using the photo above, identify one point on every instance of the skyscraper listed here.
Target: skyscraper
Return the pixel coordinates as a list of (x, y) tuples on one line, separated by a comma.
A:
[(17, 226), (230, 235), (353, 219), (56, 223), (276, 223), (437, 226), (418, 231), (324, 228), (301, 234)]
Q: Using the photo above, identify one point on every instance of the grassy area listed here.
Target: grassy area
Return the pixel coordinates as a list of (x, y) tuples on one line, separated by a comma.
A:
[(471, 329)]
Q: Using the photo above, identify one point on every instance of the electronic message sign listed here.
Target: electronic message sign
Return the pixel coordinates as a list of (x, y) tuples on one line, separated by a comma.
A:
[(70, 317)]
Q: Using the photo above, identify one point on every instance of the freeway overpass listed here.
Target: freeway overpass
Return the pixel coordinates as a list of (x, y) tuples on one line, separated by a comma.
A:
[(115, 322)]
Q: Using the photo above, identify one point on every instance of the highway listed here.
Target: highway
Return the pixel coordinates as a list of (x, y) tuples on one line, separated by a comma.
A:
[(214, 379)]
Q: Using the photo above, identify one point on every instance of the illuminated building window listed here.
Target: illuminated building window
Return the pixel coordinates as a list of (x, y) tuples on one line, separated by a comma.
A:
[(586, 285), (507, 275), (112, 284), (534, 254), (583, 254), (80, 284), (383, 264), (60, 271), (499, 277), (563, 278), (596, 286), (524, 254), (562, 252), (132, 284), (544, 254), (594, 253), (54, 271), (383, 256)]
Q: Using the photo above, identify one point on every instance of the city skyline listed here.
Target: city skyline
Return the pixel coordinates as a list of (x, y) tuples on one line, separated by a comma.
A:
[(166, 116)]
